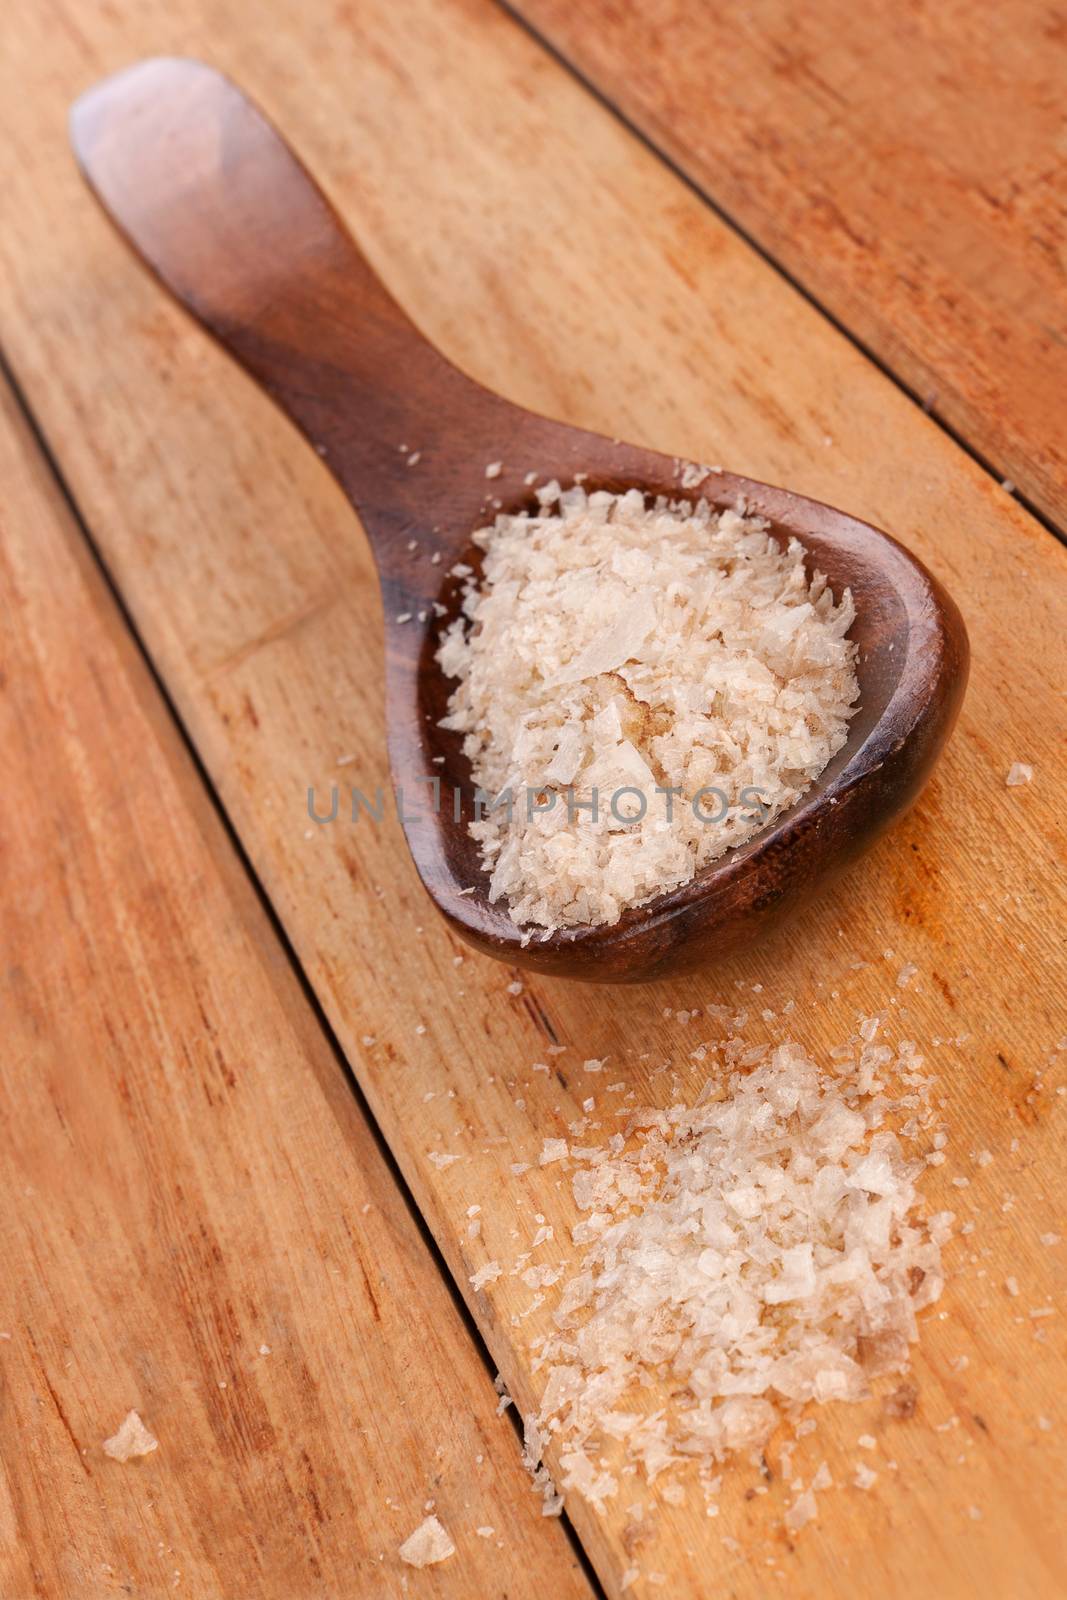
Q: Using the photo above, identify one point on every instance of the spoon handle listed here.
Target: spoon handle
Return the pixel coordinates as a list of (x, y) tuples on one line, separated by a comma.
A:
[(218, 205)]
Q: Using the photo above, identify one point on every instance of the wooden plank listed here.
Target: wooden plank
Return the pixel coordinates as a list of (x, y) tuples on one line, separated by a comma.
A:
[(906, 165), (551, 255), (198, 1222)]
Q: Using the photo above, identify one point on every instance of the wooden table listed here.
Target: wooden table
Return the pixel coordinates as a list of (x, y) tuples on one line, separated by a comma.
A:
[(234, 1047)]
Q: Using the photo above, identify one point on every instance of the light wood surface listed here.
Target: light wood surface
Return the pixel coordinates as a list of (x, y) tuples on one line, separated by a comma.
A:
[(198, 1223), (907, 165), (552, 256)]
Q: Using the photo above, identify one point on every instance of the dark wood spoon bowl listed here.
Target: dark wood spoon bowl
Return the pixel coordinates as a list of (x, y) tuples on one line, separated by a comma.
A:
[(216, 203)]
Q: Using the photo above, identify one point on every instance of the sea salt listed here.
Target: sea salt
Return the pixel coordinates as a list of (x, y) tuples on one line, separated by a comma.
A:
[(627, 661), (487, 1274), (760, 1249), (427, 1545), (132, 1439)]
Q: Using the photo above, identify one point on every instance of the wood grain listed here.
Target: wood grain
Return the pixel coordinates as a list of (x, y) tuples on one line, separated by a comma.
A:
[(906, 164), (197, 1221), (546, 252), (212, 198)]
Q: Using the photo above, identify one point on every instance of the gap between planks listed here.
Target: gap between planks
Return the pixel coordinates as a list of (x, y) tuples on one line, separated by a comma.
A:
[(730, 220), (99, 1524)]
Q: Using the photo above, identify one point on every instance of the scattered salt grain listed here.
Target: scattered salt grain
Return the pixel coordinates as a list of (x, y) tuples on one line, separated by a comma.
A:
[(692, 473), (864, 1477), (494, 469), (427, 1545), (552, 1150), (487, 1274), (1018, 773), (132, 1439), (801, 1512)]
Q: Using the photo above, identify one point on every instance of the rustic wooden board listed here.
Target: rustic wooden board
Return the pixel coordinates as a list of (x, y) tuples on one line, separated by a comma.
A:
[(198, 1222), (907, 165), (554, 257)]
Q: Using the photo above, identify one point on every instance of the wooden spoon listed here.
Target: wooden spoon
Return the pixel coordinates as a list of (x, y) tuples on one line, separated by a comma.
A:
[(222, 210)]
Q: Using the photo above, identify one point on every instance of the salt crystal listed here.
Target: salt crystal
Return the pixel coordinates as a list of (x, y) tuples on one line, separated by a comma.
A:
[(427, 1545), (552, 1150), (802, 1511), (441, 1158), (1018, 773), (132, 1439)]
